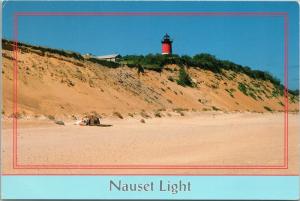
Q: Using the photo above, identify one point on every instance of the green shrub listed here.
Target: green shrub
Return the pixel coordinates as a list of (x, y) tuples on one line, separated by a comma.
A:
[(118, 114), (41, 50), (180, 109), (206, 61), (144, 114), (156, 68), (294, 99), (60, 123), (243, 88), (215, 86), (277, 92), (51, 117), (230, 92), (130, 114), (215, 108), (171, 78), (109, 64), (294, 92), (184, 78), (268, 109), (252, 95), (157, 114)]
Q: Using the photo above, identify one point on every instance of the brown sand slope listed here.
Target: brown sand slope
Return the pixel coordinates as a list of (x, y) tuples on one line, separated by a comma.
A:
[(60, 86)]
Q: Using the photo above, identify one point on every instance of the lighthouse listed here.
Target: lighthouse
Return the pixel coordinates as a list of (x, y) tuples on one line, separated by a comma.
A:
[(166, 45)]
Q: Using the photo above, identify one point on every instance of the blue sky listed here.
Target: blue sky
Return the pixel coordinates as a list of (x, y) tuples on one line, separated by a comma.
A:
[(254, 41)]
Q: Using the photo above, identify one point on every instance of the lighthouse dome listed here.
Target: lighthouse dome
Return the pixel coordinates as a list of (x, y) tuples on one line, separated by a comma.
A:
[(166, 38)]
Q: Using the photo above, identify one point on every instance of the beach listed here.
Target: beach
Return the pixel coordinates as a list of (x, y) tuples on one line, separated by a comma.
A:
[(196, 140)]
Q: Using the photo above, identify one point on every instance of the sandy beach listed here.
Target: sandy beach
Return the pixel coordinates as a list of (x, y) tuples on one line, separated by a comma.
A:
[(195, 140)]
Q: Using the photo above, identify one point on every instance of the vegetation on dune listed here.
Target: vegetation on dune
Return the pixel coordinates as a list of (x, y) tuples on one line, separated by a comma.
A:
[(144, 114), (278, 91), (170, 78), (268, 109), (230, 92), (150, 62), (157, 62), (294, 92), (51, 117), (180, 110), (42, 50), (243, 88), (118, 114), (130, 114), (157, 114), (249, 91), (109, 64), (205, 61), (294, 98), (184, 78), (215, 108), (60, 123)]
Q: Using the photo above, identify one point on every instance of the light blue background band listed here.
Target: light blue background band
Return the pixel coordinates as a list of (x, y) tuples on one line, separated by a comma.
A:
[(202, 187)]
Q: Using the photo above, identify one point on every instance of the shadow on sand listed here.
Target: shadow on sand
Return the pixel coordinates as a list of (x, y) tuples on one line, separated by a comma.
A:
[(105, 125)]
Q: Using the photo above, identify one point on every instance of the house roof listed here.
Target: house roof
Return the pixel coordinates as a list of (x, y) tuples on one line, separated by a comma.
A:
[(110, 56)]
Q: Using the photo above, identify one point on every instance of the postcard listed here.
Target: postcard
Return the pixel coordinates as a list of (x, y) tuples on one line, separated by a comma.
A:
[(150, 100)]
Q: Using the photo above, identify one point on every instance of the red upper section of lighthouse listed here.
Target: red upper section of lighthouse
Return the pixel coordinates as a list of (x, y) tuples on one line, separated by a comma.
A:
[(166, 45)]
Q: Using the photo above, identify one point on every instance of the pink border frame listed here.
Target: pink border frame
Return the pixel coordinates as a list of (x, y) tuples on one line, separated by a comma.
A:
[(16, 165)]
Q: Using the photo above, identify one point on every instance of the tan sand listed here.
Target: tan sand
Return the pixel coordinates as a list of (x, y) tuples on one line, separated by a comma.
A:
[(214, 139)]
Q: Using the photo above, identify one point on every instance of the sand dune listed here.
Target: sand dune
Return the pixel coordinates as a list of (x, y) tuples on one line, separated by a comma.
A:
[(50, 84)]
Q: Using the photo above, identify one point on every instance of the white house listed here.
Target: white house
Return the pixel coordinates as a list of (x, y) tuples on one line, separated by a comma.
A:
[(111, 57)]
